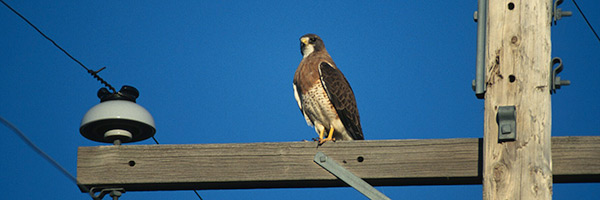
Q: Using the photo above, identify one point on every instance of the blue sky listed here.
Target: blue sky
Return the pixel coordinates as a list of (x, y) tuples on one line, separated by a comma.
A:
[(214, 72)]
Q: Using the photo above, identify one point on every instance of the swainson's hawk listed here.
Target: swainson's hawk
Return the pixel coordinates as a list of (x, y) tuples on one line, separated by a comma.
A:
[(324, 95)]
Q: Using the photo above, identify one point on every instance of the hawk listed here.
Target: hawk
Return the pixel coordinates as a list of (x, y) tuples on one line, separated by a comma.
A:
[(324, 95)]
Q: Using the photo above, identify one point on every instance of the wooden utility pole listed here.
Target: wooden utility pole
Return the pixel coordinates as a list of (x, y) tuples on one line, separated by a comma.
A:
[(517, 67)]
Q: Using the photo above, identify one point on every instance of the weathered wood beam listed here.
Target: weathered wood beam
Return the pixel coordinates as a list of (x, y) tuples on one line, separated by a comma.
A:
[(290, 164), (576, 159)]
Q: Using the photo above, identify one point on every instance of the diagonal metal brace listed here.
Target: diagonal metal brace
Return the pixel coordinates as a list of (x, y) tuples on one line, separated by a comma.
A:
[(342, 173)]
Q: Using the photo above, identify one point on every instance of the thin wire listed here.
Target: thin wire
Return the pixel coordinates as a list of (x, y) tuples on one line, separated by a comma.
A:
[(92, 72), (27, 140), (44, 154), (586, 20), (156, 141), (198, 194)]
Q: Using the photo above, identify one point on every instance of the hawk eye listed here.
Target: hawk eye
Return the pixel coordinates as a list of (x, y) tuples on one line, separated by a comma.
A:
[(312, 40)]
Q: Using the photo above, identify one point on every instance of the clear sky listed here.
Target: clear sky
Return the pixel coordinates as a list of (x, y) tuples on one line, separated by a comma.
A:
[(221, 72)]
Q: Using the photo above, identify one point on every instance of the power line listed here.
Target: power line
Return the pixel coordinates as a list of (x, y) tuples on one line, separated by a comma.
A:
[(26, 139), (44, 154), (198, 194), (48, 158), (586, 21), (92, 72)]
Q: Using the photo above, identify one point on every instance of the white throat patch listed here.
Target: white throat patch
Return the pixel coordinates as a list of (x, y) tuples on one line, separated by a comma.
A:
[(308, 49)]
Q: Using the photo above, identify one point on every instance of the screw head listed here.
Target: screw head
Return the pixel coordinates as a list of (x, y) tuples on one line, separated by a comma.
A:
[(506, 129), (323, 159)]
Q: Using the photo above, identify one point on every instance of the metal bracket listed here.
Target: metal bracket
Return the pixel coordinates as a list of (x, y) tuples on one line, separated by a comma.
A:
[(555, 81), (507, 123), (342, 173), (557, 13), (115, 193)]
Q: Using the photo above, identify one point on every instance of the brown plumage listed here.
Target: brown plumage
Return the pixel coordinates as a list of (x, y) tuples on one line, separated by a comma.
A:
[(324, 95)]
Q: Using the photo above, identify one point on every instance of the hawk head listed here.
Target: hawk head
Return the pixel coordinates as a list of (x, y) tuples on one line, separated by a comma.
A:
[(310, 43)]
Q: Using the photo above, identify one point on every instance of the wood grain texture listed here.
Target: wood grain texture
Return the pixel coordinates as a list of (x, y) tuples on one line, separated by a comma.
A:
[(517, 57), (575, 159), (290, 164), (286, 164)]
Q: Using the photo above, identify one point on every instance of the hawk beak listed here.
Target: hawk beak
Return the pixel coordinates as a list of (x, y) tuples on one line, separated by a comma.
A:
[(304, 40)]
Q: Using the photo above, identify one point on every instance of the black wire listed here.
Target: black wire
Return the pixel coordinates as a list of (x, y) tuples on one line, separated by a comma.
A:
[(198, 194), (156, 141), (27, 140), (51, 160), (44, 154), (586, 20), (92, 72)]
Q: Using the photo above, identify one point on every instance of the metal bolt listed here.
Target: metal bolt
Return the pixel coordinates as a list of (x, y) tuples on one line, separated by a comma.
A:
[(560, 13), (505, 129), (559, 82), (323, 159), (115, 194)]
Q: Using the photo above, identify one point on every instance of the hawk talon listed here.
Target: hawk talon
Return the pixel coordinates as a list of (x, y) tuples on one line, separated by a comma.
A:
[(329, 136), (325, 140)]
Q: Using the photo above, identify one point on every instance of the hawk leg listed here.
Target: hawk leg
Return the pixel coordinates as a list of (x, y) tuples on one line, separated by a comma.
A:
[(321, 134), (329, 137)]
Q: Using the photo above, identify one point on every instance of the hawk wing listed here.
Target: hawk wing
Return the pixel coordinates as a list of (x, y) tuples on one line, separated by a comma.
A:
[(342, 97), (298, 97)]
